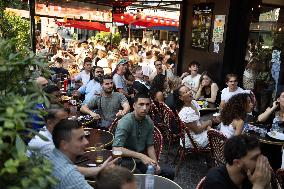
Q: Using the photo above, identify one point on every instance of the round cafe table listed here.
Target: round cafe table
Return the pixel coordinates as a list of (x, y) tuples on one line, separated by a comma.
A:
[(98, 136), (271, 148), (89, 158), (159, 182)]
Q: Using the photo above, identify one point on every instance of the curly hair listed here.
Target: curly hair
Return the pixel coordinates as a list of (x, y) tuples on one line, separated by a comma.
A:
[(235, 108)]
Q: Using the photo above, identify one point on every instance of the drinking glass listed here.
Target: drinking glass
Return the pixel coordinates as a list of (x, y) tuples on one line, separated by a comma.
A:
[(99, 158)]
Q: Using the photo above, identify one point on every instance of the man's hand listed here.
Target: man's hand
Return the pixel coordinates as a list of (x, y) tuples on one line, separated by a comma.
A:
[(262, 173), (119, 113), (109, 162), (95, 115), (147, 160), (157, 169)]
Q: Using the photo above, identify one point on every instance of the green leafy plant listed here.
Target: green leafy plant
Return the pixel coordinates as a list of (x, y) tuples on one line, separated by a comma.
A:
[(18, 97), (14, 27), (105, 36)]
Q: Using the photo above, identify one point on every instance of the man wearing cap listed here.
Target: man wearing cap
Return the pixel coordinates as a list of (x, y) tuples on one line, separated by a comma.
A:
[(119, 79)]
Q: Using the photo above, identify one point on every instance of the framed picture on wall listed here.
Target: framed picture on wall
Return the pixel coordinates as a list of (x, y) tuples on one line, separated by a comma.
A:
[(201, 25)]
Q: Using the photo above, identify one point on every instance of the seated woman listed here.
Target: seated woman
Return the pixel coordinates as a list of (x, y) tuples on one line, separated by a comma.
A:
[(234, 114), (189, 114), (207, 89), (277, 109)]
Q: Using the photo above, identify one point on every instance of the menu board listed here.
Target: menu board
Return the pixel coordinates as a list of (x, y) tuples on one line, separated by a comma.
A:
[(201, 24)]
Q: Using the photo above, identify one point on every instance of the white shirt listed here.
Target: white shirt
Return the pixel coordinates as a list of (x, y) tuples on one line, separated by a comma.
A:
[(37, 144), (191, 82), (226, 94), (85, 77), (227, 130), (188, 115)]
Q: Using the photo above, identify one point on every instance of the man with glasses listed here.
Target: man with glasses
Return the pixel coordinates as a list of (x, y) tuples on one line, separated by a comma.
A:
[(93, 87), (134, 137)]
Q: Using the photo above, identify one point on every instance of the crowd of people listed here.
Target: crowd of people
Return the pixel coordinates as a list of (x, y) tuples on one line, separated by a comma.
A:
[(121, 83)]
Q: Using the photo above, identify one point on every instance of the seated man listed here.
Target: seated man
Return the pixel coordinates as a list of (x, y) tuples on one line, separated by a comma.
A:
[(84, 76), (93, 87), (58, 69), (108, 104), (134, 137), (115, 178), (54, 98), (70, 142), (245, 168), (37, 144)]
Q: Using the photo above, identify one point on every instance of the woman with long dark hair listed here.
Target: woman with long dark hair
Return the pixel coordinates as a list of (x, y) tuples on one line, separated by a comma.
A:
[(207, 89)]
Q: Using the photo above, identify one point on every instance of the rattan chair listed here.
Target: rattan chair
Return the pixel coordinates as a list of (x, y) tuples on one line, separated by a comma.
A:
[(200, 183), (113, 126), (195, 149), (158, 142), (280, 176), (217, 142)]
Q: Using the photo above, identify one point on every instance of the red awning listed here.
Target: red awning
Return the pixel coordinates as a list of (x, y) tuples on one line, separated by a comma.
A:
[(84, 25), (144, 20)]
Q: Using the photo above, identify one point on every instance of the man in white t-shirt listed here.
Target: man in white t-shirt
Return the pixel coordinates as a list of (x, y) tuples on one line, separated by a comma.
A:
[(84, 75), (192, 80), (231, 90)]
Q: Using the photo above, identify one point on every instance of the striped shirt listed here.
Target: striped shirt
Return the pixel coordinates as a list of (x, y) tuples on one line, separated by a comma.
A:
[(66, 173)]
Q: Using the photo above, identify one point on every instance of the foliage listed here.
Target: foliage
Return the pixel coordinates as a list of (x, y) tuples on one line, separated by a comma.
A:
[(14, 27), (105, 36), (19, 95)]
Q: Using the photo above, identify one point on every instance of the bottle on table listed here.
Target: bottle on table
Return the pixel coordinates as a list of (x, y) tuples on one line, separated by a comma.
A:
[(149, 179), (205, 104), (275, 123)]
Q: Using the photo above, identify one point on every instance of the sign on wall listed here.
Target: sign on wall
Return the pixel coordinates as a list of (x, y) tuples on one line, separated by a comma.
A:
[(201, 25), (218, 30)]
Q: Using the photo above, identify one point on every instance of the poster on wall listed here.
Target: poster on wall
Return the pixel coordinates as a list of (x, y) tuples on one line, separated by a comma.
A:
[(218, 30), (201, 25)]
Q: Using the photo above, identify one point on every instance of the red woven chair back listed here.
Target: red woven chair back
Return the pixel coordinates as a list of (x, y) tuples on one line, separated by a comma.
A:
[(113, 126), (201, 183), (158, 142), (280, 176), (217, 142)]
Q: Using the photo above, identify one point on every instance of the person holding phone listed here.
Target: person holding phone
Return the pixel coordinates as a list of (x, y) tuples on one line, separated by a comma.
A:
[(277, 109)]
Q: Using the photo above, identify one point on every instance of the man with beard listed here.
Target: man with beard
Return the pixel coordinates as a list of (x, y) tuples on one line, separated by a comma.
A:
[(134, 138), (108, 104), (93, 87), (246, 167)]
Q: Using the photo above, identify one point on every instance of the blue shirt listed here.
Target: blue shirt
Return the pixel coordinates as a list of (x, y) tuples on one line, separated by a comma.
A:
[(66, 173), (93, 87)]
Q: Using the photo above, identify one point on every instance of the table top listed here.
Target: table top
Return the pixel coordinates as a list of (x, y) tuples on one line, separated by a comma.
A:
[(266, 139), (98, 136), (89, 159), (160, 182)]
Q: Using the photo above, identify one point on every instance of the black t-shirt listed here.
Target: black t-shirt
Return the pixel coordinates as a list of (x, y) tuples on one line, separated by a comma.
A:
[(218, 178), (140, 87), (60, 70)]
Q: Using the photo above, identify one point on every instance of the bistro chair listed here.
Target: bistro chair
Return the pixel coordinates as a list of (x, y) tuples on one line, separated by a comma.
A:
[(170, 120), (217, 142), (195, 149), (113, 125), (280, 176), (200, 183), (158, 142), (155, 114)]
